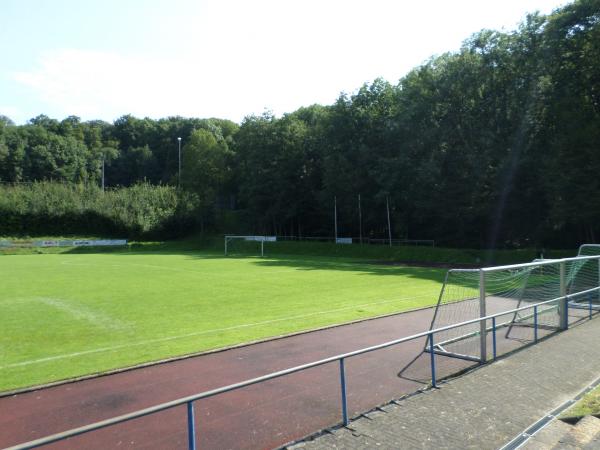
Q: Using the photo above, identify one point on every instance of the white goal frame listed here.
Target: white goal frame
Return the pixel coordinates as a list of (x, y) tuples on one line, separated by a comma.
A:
[(584, 246), (261, 239), (564, 284)]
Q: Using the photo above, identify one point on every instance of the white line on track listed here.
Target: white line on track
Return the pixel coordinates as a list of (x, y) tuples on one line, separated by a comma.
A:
[(199, 333)]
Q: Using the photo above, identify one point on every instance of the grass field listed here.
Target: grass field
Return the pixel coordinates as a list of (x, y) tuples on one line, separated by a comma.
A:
[(70, 314), (588, 405)]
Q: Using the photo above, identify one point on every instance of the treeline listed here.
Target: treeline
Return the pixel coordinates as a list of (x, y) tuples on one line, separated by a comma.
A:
[(496, 145), (140, 211)]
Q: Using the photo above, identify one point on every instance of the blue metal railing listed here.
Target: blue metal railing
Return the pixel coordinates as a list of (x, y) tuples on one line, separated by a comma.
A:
[(191, 426), (189, 401), (494, 346), (343, 387)]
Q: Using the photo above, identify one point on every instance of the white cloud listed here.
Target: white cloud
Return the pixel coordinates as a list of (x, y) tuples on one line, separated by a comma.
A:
[(88, 82), (94, 84), (226, 61), (11, 112)]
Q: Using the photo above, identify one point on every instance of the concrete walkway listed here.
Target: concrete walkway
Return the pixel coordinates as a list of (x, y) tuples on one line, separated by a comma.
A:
[(483, 409)]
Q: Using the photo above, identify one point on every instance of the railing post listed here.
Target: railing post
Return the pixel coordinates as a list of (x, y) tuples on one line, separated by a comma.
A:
[(590, 299), (494, 338), (563, 313), (482, 324), (598, 261), (191, 426), (432, 356), (566, 309), (343, 387), (535, 324)]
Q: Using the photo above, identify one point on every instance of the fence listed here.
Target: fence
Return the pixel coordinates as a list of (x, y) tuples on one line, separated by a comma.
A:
[(488, 324), (359, 240), (339, 240)]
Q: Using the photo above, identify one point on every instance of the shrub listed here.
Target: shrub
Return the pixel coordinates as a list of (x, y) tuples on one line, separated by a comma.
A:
[(139, 211)]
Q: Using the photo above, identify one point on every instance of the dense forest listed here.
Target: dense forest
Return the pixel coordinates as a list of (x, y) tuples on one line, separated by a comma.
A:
[(496, 145)]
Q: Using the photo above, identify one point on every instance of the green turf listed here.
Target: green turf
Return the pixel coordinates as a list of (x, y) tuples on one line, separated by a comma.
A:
[(66, 315), (588, 405)]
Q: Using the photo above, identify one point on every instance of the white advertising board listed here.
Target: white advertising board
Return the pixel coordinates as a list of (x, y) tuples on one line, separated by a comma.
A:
[(78, 243), (261, 238)]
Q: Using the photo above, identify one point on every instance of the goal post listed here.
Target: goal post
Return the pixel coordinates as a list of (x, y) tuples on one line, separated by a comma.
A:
[(589, 250), (567, 285), (260, 239)]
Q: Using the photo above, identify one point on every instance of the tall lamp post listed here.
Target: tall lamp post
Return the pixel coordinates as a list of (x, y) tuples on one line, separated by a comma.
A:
[(179, 172)]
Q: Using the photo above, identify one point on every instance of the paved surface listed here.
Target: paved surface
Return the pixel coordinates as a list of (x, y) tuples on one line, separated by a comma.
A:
[(483, 409), (585, 435)]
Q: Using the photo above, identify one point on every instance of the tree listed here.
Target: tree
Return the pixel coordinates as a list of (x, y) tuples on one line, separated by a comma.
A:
[(205, 165)]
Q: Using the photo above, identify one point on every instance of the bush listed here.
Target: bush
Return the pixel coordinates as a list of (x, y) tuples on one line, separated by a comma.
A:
[(140, 211)]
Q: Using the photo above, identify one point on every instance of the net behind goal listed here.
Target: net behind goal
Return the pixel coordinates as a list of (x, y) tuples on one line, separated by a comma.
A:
[(247, 244), (589, 250), (468, 294)]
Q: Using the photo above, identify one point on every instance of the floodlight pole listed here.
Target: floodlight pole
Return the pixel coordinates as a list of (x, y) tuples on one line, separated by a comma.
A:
[(335, 216), (359, 220), (103, 158), (387, 204), (179, 159)]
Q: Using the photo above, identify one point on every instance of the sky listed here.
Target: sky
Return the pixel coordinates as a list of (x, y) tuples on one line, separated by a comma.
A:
[(102, 59)]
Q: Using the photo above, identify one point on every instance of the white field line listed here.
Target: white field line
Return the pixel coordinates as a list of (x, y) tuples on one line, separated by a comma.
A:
[(175, 269), (150, 266), (199, 333), (80, 312)]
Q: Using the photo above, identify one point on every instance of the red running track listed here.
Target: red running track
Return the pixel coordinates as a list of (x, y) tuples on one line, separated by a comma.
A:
[(262, 416)]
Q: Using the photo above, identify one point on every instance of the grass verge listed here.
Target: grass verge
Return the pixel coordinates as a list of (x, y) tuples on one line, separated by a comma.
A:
[(589, 405)]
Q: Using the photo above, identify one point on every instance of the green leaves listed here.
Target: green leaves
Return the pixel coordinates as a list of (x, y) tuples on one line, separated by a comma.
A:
[(496, 144), (140, 211)]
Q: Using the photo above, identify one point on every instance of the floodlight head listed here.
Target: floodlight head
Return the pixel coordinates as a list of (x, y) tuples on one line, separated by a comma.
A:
[(179, 139)]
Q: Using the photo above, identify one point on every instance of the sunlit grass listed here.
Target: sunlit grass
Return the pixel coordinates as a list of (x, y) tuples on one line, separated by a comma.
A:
[(67, 315), (588, 405)]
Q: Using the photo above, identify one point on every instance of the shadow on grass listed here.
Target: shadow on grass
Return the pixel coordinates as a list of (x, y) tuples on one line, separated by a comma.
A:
[(303, 263), (295, 262)]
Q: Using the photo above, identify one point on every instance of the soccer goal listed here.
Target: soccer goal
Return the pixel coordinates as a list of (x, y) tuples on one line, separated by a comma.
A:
[(468, 294), (248, 243), (589, 250)]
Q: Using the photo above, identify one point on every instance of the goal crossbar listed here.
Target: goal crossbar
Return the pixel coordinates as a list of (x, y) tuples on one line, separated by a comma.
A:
[(261, 239)]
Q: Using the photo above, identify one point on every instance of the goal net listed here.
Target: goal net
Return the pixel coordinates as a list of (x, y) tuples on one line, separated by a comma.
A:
[(247, 244), (589, 250), (469, 294)]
